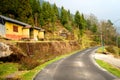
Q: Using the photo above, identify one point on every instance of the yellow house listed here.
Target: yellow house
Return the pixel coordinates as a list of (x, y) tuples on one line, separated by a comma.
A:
[(36, 33), (13, 29)]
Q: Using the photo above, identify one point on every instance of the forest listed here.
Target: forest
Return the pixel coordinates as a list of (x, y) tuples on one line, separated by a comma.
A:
[(53, 19)]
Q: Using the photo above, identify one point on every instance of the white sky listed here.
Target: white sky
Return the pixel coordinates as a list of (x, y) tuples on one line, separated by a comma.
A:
[(102, 9)]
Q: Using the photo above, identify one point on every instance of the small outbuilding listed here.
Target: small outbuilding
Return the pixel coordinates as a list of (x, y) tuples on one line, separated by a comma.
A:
[(37, 33)]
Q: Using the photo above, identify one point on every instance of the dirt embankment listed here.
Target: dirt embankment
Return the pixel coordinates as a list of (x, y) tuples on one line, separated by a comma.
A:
[(32, 54), (40, 52), (48, 48)]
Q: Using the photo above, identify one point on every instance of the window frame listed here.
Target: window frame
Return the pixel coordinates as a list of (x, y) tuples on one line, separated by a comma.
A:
[(15, 28)]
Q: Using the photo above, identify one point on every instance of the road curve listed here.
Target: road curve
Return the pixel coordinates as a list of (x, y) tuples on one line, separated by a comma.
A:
[(79, 66)]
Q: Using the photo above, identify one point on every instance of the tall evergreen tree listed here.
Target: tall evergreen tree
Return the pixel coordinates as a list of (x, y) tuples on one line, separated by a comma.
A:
[(36, 8), (46, 11), (69, 15), (78, 20), (64, 17), (25, 11), (9, 8), (94, 28), (79, 24), (17, 9), (83, 22), (55, 11), (69, 25), (41, 19)]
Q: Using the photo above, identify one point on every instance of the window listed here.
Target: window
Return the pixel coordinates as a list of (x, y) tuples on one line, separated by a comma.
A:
[(15, 29)]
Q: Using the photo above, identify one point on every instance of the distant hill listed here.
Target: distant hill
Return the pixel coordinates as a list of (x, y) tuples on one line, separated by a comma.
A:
[(41, 1)]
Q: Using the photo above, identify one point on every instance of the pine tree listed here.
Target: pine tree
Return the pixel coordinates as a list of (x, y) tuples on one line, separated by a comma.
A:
[(36, 8), (64, 17), (68, 26), (25, 11), (69, 15), (41, 19), (55, 11), (78, 20), (94, 28), (83, 22), (46, 11), (9, 8)]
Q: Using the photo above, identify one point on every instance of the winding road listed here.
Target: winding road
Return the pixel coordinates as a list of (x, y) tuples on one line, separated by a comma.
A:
[(79, 66)]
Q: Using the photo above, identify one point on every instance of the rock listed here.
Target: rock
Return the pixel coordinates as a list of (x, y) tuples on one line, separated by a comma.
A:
[(4, 50)]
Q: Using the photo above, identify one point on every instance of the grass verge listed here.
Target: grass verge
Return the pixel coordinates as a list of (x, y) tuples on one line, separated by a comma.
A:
[(7, 68), (29, 75), (115, 71), (101, 50)]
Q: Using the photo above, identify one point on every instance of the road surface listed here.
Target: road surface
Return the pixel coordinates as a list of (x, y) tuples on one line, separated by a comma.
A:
[(79, 66)]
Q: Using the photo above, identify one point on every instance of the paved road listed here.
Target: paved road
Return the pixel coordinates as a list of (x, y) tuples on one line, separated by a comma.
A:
[(79, 66)]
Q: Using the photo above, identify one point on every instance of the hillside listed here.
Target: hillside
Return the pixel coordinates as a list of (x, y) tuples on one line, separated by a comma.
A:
[(59, 23)]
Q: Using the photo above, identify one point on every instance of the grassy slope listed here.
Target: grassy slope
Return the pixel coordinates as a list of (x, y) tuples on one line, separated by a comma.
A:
[(109, 67)]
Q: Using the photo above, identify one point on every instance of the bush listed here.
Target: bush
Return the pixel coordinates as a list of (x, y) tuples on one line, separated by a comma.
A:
[(28, 63), (113, 49), (110, 49)]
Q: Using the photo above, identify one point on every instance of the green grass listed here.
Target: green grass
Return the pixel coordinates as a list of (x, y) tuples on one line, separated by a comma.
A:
[(101, 50), (7, 68), (115, 71), (32, 73)]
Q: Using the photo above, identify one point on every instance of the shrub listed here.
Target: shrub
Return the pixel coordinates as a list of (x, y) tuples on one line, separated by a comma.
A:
[(28, 63), (110, 49), (114, 50)]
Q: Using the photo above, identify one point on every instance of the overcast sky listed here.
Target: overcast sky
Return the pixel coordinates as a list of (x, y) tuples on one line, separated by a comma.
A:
[(102, 9)]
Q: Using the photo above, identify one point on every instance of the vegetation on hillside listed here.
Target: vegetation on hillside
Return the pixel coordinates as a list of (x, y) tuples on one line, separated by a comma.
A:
[(56, 21), (59, 22)]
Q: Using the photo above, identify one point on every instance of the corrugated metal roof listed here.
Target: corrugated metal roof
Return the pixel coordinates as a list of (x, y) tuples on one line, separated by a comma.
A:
[(14, 21), (37, 28)]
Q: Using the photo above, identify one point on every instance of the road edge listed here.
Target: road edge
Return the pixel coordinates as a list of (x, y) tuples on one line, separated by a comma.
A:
[(92, 57)]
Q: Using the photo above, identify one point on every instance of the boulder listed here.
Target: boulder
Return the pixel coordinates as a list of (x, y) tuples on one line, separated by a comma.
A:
[(4, 50)]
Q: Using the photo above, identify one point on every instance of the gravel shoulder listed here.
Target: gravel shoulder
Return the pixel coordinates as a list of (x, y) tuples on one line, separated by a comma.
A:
[(108, 58)]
